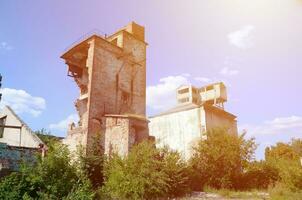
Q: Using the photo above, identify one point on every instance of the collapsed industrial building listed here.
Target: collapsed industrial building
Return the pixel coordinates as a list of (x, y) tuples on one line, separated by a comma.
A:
[(111, 75)]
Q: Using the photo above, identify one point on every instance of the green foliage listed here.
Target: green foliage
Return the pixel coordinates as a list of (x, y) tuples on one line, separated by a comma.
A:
[(81, 191), (55, 174), (91, 161), (221, 163), (258, 175), (46, 136), (285, 158), (177, 171), (219, 160), (146, 173), (284, 151), (53, 177), (282, 192), (137, 176), (289, 172), (14, 186)]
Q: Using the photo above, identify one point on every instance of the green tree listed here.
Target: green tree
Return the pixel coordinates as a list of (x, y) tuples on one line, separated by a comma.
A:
[(15, 186), (46, 136), (219, 160), (137, 176), (287, 151), (259, 175), (91, 161), (177, 170), (285, 158), (146, 173)]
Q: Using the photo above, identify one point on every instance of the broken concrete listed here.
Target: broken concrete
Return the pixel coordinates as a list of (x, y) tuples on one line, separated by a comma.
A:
[(111, 75)]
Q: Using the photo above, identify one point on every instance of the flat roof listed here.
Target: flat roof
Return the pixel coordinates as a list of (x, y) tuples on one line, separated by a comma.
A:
[(81, 42)]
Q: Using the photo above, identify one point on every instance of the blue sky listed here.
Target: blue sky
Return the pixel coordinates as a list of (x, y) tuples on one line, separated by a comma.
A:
[(255, 47)]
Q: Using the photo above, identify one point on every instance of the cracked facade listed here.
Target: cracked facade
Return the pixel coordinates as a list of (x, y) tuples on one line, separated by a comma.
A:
[(111, 75)]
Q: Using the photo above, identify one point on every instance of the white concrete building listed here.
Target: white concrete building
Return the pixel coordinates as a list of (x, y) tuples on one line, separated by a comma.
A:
[(198, 110)]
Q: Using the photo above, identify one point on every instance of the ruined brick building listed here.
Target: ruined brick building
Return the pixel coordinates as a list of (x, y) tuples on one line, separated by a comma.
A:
[(110, 72), (197, 111)]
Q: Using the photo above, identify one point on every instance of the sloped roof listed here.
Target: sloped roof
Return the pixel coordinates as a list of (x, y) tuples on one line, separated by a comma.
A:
[(190, 106), (178, 108), (34, 136)]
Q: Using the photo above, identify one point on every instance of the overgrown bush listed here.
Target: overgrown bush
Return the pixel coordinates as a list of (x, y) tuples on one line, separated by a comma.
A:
[(222, 163), (282, 192), (218, 161), (15, 186), (285, 158), (53, 177), (146, 173), (258, 175), (177, 170), (91, 162)]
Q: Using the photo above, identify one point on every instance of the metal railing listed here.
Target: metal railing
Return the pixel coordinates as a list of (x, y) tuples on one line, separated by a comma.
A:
[(84, 37)]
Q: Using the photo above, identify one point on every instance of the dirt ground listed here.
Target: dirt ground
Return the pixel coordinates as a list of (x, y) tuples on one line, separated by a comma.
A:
[(212, 196)]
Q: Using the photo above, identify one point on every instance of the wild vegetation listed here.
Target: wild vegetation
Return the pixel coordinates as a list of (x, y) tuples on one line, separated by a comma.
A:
[(223, 163)]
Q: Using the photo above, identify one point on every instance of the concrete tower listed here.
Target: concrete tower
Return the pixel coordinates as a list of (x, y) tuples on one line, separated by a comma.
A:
[(111, 75)]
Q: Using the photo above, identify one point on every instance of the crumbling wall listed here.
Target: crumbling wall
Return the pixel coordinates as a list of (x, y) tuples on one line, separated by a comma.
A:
[(111, 75), (12, 157)]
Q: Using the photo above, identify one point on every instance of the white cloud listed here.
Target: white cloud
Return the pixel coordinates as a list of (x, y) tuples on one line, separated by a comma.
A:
[(5, 46), (228, 72), (63, 124), (242, 38), (286, 122), (282, 125), (163, 95), (22, 102), (203, 79)]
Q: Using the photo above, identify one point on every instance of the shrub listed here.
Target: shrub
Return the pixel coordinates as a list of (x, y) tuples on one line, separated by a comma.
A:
[(137, 176), (91, 162), (258, 175), (177, 171), (219, 160), (282, 192), (14, 186), (285, 158), (54, 177), (81, 191), (146, 173)]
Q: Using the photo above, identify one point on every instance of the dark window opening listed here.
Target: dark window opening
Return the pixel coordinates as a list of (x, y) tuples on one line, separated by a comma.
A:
[(195, 100), (2, 124), (74, 71), (186, 90), (183, 100), (114, 41), (125, 97), (210, 87), (132, 88)]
